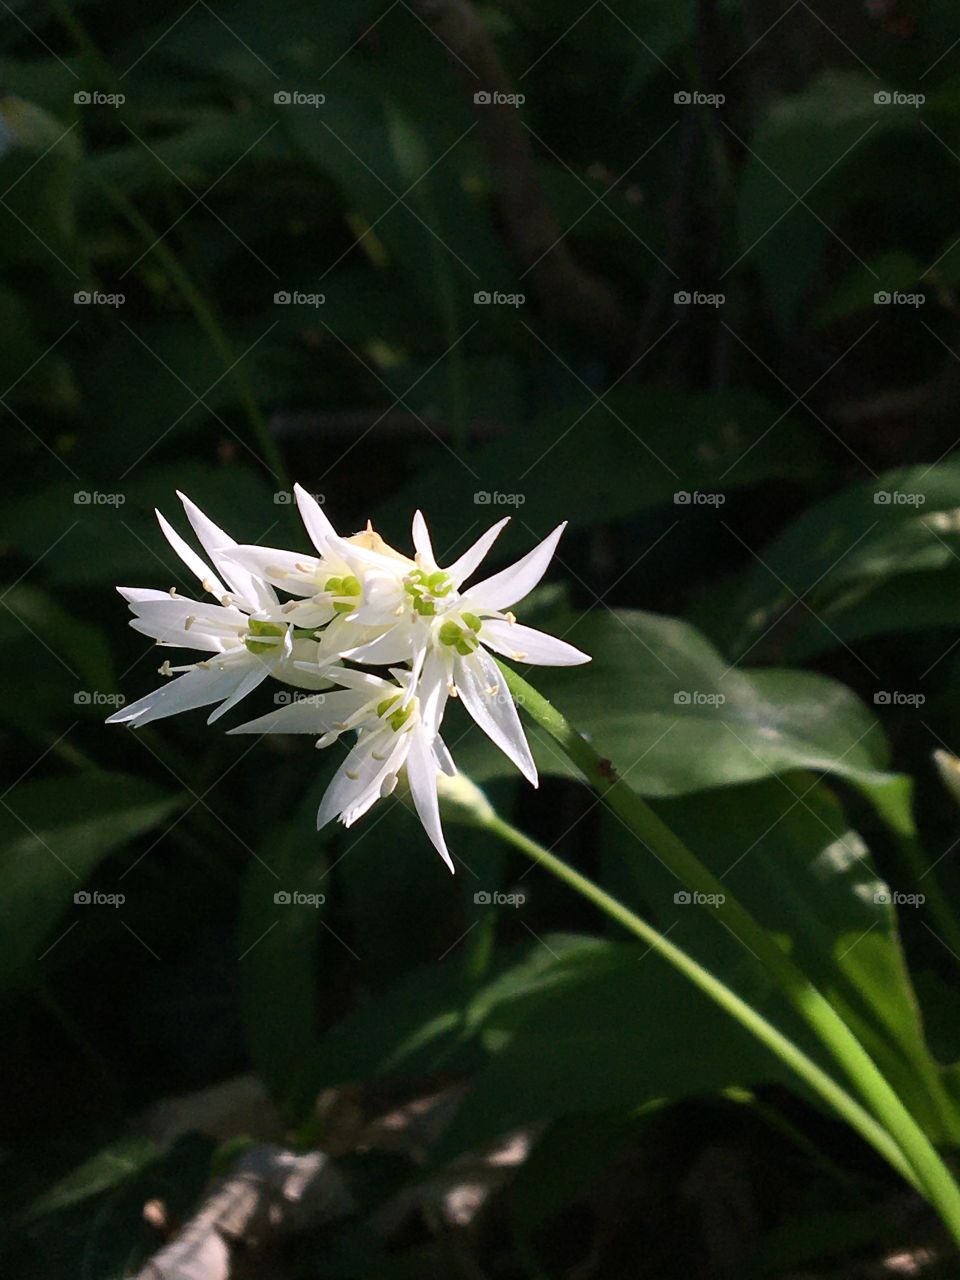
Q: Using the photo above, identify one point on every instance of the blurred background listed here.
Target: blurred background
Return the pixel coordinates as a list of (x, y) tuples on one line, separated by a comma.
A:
[(685, 276)]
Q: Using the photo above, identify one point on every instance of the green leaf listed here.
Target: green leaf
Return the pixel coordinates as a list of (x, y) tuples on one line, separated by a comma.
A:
[(674, 717), (53, 834)]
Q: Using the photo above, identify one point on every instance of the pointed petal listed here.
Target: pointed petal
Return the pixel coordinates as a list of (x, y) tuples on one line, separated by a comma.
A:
[(214, 541), (510, 585), (254, 677), (197, 688), (315, 715), (319, 529), (190, 557), (393, 646), (525, 644), (279, 567), (469, 562), (421, 541), (139, 595), (422, 777), (485, 695)]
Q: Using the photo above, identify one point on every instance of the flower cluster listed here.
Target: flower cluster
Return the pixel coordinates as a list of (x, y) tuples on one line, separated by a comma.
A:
[(355, 601)]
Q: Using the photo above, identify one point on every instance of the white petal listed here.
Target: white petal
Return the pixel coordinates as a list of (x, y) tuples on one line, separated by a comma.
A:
[(317, 525), (481, 685), (444, 758), (469, 562), (249, 587), (278, 567), (251, 680), (356, 784), (197, 688), (314, 715), (178, 638), (394, 645), (190, 557), (524, 644), (510, 585), (422, 777), (139, 595), (421, 541)]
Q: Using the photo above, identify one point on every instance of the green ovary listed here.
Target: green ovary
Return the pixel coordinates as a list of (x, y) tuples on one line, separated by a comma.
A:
[(460, 638), (424, 589), (349, 587), (395, 719), (260, 628)]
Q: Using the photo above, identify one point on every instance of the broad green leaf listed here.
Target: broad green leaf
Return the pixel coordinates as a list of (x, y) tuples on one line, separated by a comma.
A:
[(674, 717), (53, 834)]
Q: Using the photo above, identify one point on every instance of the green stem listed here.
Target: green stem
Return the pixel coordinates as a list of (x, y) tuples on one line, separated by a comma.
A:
[(784, 1048), (813, 1007)]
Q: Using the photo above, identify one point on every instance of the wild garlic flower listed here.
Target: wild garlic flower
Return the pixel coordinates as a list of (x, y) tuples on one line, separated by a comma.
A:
[(396, 729), (357, 600), (244, 645)]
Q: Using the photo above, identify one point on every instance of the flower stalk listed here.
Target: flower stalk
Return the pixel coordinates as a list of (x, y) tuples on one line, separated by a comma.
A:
[(932, 1175)]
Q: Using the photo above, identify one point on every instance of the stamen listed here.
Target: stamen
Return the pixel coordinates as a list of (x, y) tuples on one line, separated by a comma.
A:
[(173, 592), (511, 618), (189, 622), (164, 670), (388, 785), (353, 775), (207, 586)]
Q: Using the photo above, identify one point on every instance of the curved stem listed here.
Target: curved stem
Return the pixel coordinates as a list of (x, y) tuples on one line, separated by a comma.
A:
[(819, 1080), (810, 1003)]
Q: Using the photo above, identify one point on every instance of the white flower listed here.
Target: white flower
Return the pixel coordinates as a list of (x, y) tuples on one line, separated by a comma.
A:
[(245, 645), (397, 730), (425, 611)]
